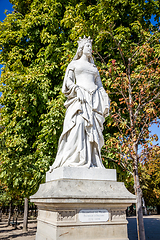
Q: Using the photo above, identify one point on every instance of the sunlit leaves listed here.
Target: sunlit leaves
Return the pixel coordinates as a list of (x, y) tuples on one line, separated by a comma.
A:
[(32, 52), (150, 176), (38, 41)]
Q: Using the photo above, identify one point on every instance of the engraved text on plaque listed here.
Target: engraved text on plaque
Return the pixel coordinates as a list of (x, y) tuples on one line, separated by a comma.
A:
[(93, 215)]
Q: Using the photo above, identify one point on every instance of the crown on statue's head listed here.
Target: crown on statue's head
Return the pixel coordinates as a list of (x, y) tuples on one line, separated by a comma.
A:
[(83, 41)]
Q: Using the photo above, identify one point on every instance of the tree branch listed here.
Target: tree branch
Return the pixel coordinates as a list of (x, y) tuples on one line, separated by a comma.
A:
[(141, 106), (119, 48), (124, 120), (123, 165), (143, 45), (142, 130), (143, 70)]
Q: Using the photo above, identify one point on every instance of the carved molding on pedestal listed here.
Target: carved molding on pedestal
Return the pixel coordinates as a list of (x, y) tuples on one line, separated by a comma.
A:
[(66, 216), (117, 215)]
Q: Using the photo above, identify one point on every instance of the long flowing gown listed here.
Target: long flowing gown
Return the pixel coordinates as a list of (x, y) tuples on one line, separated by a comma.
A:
[(82, 139)]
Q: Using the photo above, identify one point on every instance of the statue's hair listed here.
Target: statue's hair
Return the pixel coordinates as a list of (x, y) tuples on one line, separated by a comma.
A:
[(81, 43)]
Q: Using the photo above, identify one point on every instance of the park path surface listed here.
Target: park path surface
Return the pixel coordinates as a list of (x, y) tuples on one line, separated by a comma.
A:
[(152, 229), (151, 224), (9, 232)]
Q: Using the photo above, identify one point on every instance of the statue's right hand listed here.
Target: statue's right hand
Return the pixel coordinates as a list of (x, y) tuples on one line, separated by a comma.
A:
[(80, 95)]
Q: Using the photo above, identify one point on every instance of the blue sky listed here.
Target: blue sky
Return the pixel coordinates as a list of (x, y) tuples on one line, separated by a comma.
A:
[(6, 5)]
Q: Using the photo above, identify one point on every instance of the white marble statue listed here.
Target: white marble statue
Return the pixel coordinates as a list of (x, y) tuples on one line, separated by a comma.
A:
[(87, 105)]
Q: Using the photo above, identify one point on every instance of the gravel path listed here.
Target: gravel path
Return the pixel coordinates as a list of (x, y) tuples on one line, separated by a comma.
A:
[(9, 232)]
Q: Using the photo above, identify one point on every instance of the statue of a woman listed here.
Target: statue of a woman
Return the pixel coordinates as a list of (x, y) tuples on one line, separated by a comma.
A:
[(87, 105)]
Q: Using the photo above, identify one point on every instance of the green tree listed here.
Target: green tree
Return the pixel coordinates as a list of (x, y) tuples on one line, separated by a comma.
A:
[(129, 55), (136, 82), (31, 40), (38, 40), (150, 176)]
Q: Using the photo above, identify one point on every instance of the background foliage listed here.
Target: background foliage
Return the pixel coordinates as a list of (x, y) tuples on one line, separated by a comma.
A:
[(38, 40)]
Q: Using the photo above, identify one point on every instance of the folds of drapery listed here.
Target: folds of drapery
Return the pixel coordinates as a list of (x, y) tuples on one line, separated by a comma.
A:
[(82, 139)]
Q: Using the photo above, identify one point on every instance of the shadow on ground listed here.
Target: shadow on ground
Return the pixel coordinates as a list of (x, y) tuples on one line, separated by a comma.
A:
[(9, 232)]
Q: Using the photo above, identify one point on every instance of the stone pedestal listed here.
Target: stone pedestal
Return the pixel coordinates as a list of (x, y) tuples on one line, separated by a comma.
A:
[(76, 207), (82, 173)]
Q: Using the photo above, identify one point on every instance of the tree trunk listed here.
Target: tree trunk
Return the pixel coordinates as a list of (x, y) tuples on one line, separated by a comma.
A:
[(144, 206), (10, 213), (139, 213), (1, 215), (158, 209), (138, 192), (35, 210), (25, 219)]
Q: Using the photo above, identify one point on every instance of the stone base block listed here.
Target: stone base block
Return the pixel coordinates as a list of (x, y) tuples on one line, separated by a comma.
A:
[(82, 173)]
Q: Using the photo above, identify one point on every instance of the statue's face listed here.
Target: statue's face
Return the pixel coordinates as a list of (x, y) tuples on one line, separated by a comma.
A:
[(87, 50)]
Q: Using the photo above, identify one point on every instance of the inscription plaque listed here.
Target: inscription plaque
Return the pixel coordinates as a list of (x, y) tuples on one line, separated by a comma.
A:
[(93, 215)]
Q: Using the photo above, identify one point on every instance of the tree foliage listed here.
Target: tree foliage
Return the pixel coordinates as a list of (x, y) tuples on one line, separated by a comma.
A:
[(31, 46), (37, 41), (150, 176)]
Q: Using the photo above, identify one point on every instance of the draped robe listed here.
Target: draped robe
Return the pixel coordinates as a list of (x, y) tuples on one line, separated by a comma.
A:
[(81, 140)]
